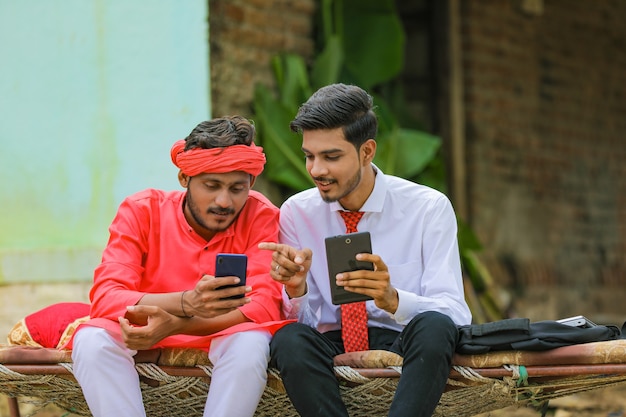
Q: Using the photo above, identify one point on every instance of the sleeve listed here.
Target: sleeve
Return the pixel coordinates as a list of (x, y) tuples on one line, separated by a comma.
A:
[(442, 283), (117, 278), (295, 308), (265, 296)]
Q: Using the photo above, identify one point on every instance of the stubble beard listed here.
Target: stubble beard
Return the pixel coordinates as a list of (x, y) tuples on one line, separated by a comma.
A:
[(351, 185), (197, 215)]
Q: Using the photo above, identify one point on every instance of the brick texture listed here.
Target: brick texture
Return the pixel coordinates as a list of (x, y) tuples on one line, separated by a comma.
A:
[(545, 121), (244, 35)]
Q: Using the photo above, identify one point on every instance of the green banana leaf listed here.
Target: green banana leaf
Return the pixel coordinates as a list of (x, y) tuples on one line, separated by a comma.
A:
[(467, 238), (327, 66), (285, 160), (292, 79), (405, 152), (373, 41)]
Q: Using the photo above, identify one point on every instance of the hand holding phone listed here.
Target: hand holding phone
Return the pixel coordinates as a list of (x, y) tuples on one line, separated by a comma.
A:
[(341, 254), (231, 265)]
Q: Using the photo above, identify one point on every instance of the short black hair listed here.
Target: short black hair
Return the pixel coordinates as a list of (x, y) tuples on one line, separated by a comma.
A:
[(221, 132), (339, 105)]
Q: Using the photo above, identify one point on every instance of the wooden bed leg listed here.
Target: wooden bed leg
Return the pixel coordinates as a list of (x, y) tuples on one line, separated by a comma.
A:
[(14, 409)]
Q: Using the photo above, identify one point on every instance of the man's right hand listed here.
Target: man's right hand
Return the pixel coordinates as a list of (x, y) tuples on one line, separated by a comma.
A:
[(289, 266), (158, 324), (207, 301)]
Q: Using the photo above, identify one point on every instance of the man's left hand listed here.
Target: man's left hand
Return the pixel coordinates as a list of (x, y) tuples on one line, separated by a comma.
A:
[(376, 283)]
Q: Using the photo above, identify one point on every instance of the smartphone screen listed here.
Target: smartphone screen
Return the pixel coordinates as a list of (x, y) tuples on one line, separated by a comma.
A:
[(231, 264), (341, 254)]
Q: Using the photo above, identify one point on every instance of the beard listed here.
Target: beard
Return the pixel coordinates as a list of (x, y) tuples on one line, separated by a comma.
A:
[(197, 214), (350, 186)]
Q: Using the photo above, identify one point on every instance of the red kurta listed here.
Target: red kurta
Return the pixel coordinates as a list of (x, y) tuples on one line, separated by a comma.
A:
[(152, 249)]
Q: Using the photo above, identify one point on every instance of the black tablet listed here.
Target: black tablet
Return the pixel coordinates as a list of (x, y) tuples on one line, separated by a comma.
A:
[(341, 254)]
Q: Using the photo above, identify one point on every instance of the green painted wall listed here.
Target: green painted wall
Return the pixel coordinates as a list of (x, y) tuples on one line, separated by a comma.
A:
[(92, 95)]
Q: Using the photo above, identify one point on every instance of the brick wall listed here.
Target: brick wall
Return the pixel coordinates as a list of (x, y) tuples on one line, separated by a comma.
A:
[(546, 115), (244, 36)]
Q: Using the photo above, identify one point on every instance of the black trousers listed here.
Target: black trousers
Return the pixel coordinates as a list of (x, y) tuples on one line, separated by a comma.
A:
[(304, 358)]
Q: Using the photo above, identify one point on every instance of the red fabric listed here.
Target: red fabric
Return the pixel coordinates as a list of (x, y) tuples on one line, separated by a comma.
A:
[(152, 249), (353, 315), (250, 159), (47, 325)]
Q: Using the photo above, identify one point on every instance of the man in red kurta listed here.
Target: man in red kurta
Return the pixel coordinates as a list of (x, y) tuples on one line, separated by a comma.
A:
[(156, 286)]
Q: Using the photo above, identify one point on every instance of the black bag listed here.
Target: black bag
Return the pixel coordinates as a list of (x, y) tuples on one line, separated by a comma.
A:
[(521, 334)]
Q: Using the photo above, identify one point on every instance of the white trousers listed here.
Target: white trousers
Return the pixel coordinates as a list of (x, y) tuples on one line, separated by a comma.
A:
[(105, 370)]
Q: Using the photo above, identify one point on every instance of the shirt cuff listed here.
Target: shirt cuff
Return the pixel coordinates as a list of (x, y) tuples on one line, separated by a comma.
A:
[(408, 304), (292, 306)]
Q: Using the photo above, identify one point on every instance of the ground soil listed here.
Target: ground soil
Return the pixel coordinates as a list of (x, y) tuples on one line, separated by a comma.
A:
[(607, 402)]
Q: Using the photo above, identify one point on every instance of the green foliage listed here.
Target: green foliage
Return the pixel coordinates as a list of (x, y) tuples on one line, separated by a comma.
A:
[(373, 38), (285, 161), (367, 50)]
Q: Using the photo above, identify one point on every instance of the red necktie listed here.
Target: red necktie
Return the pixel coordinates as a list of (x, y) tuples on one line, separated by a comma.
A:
[(353, 315)]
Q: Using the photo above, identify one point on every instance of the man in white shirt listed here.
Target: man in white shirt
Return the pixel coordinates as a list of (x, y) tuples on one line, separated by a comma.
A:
[(416, 285)]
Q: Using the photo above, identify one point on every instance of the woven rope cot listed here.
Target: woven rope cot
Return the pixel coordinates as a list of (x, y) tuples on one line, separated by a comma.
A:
[(178, 380)]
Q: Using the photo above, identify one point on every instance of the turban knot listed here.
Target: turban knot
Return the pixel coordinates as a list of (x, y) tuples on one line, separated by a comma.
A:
[(250, 159)]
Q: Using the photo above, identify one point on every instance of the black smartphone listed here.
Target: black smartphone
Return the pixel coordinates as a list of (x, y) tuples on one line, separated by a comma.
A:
[(231, 265), (341, 254)]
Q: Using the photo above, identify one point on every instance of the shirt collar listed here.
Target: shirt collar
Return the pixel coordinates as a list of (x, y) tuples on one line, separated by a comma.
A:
[(375, 201)]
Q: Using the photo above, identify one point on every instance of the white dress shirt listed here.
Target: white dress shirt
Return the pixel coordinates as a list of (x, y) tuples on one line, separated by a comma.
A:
[(413, 230)]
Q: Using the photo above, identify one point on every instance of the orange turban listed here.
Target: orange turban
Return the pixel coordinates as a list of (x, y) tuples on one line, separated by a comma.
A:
[(250, 159)]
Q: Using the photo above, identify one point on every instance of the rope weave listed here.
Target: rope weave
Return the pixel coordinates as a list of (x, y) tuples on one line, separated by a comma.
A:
[(469, 373), (398, 369), (350, 374), (207, 369), (152, 371), (365, 397)]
